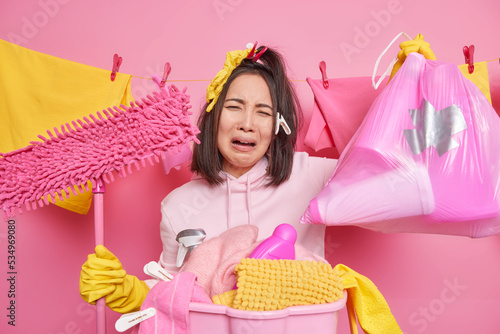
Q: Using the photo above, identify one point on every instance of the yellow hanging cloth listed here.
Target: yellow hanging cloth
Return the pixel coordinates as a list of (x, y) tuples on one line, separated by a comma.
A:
[(479, 77), (39, 92)]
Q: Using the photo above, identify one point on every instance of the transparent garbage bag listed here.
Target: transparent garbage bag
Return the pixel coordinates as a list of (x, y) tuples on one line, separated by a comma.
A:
[(425, 159)]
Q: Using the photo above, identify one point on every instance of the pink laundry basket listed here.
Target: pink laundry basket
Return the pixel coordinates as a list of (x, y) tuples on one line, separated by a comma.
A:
[(221, 319)]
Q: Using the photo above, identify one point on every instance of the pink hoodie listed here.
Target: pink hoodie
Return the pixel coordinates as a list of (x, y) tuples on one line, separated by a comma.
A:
[(246, 200)]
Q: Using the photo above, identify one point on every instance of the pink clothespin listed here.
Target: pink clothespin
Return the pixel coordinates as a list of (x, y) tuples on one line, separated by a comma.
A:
[(117, 61), (166, 71), (252, 52), (260, 53), (469, 57), (322, 68), (161, 82), (255, 56)]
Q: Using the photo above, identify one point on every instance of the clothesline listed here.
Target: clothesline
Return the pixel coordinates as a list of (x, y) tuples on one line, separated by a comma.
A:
[(191, 80), (207, 80)]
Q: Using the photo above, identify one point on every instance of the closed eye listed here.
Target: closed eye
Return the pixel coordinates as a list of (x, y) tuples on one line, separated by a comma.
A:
[(264, 109), (264, 113)]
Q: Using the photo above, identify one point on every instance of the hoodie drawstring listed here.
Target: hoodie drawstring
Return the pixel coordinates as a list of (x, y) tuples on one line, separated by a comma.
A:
[(229, 203), (249, 202)]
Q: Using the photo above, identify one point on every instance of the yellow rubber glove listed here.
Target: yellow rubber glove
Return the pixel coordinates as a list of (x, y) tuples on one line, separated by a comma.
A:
[(416, 45), (103, 275)]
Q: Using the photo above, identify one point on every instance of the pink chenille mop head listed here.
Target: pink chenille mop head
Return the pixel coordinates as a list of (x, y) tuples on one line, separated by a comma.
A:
[(92, 150)]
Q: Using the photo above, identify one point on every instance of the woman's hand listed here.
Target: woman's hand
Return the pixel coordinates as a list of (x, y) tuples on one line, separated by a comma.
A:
[(103, 276)]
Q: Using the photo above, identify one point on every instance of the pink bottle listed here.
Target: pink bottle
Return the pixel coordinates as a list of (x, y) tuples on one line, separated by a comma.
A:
[(280, 245)]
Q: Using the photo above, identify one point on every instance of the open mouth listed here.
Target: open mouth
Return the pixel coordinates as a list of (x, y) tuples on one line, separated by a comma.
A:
[(243, 143)]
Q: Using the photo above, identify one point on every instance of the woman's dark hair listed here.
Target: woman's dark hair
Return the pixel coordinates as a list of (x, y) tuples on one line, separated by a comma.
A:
[(207, 160)]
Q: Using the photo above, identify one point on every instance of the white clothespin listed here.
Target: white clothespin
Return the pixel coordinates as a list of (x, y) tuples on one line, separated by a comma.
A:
[(280, 121), (154, 270), (188, 240), (129, 320)]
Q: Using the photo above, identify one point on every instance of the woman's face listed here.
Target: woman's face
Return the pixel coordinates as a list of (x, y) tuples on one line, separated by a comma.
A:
[(246, 123)]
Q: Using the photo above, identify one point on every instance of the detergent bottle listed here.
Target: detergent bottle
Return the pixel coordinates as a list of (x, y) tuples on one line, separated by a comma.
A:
[(280, 245)]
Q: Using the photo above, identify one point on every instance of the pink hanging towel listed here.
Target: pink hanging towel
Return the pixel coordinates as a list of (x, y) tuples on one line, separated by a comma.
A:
[(494, 80), (338, 111), (426, 158)]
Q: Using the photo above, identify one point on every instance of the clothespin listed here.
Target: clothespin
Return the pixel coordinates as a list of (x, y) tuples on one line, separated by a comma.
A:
[(166, 71), (280, 121), (161, 82), (252, 52), (154, 270), (260, 53), (129, 320), (322, 68), (252, 55), (469, 57), (117, 61)]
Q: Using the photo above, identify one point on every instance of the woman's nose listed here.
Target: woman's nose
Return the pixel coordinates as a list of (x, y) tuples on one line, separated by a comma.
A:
[(247, 122)]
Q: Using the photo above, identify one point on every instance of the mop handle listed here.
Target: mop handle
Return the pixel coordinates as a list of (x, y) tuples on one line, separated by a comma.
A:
[(98, 192)]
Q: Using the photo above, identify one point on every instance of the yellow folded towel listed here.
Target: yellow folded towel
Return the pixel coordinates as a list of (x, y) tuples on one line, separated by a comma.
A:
[(265, 285)]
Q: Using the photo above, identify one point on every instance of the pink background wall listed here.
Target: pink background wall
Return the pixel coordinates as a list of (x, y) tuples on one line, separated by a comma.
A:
[(434, 284)]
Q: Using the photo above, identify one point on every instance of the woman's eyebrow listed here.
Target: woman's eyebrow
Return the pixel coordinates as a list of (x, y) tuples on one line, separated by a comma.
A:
[(263, 105), (236, 100), (259, 105)]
